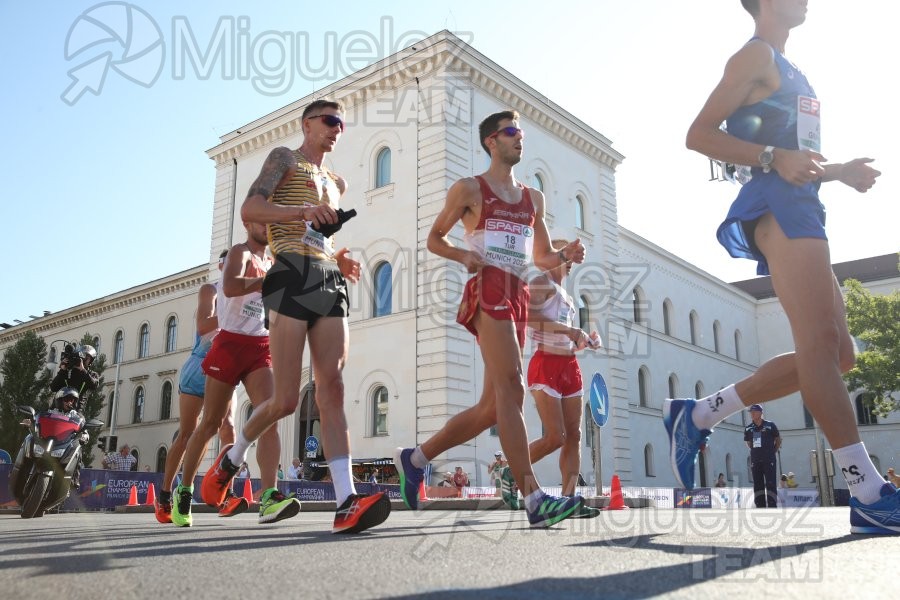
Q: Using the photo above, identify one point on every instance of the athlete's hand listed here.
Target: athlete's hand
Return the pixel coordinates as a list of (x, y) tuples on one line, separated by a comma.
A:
[(318, 215), (594, 341), (349, 267), (574, 251), (579, 338), (799, 167), (858, 174), (472, 262)]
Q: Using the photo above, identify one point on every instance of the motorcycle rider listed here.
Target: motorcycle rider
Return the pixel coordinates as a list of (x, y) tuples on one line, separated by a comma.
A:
[(68, 402), (75, 372)]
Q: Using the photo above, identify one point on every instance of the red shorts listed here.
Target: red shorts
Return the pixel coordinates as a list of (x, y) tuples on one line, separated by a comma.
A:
[(557, 375), (500, 295), (233, 356)]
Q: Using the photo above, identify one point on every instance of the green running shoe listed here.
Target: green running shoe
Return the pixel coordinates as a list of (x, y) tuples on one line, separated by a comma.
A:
[(275, 506), (553, 509), (509, 491), (181, 506)]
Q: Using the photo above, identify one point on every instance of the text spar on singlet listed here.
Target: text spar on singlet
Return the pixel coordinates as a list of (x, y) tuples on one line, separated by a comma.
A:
[(507, 243)]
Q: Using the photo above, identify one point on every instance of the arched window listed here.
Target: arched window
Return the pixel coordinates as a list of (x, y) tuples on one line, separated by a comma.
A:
[(538, 182), (383, 167), (649, 470), (380, 411), (118, 347), (165, 411), (717, 330), (138, 415), (51, 358), (171, 333), (673, 385), (137, 459), (161, 460), (667, 317), (737, 344), (807, 418), (96, 343), (864, 414), (729, 468), (637, 299), (875, 461), (144, 341), (579, 212), (584, 313), (383, 290), (643, 386), (699, 392), (695, 328)]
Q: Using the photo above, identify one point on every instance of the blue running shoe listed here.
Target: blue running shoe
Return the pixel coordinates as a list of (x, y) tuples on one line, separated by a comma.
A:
[(685, 440), (879, 517), (411, 477), (554, 509)]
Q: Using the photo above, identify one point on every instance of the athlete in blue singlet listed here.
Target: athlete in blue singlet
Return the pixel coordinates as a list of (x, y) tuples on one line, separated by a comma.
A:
[(772, 124)]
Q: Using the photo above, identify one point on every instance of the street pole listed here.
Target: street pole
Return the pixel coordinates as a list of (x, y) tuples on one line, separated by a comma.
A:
[(597, 454), (115, 400), (822, 478)]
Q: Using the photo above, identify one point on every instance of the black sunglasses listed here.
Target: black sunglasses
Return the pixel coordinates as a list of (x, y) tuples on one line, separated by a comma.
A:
[(329, 120), (507, 131)]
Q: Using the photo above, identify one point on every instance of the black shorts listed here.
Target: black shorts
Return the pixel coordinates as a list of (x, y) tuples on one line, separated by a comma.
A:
[(305, 288)]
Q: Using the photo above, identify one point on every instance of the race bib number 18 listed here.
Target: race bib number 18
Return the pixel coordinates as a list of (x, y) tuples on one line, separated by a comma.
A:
[(507, 243), (808, 124)]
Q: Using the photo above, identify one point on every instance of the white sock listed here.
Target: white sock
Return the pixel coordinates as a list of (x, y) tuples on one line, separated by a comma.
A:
[(341, 477), (238, 453), (709, 411), (533, 500), (418, 458), (863, 480)]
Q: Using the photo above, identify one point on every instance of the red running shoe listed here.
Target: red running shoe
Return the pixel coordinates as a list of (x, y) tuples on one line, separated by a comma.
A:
[(360, 512), (217, 481), (233, 505), (163, 511)]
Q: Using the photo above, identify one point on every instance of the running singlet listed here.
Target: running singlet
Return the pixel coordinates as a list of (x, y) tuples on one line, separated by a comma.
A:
[(504, 236), (245, 314), (561, 308), (310, 186)]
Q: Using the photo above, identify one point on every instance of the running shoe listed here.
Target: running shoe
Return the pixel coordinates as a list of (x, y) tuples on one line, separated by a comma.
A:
[(163, 511), (586, 512), (217, 481), (233, 505), (360, 512), (882, 517), (181, 507), (553, 509), (275, 506), (509, 491), (685, 440), (411, 477)]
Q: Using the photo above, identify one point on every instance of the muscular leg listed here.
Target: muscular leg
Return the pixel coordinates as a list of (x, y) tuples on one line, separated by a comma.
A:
[(216, 403), (328, 346), (551, 414), (226, 431), (260, 386), (570, 455), (188, 414)]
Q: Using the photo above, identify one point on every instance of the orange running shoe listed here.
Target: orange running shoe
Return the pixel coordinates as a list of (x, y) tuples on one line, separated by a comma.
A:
[(233, 505), (217, 480), (360, 512), (163, 511)]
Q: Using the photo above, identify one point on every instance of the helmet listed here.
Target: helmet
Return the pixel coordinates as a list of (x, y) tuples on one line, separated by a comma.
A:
[(64, 396), (88, 351)]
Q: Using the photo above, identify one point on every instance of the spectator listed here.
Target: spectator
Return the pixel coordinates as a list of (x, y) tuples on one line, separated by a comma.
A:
[(460, 478), (244, 473), (447, 481), (295, 471), (720, 482), (121, 460), (373, 477), (495, 471), (791, 483), (892, 477), (147, 469), (763, 440), (280, 473), (783, 483)]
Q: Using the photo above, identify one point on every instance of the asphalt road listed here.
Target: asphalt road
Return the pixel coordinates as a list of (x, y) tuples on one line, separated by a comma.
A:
[(795, 553)]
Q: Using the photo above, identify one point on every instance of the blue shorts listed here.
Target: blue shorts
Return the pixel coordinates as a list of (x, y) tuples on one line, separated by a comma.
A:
[(192, 380), (797, 210)]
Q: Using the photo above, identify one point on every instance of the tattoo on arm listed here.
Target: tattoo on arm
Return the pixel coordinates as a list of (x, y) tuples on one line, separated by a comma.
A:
[(279, 161)]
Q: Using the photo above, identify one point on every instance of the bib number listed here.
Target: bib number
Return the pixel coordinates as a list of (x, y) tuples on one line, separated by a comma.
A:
[(808, 124), (507, 244)]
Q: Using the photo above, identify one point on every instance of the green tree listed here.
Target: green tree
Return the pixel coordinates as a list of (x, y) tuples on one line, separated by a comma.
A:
[(94, 401), (875, 321), (25, 382)]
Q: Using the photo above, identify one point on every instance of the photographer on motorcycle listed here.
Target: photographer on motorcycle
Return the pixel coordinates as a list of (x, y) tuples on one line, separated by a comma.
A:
[(68, 402), (74, 372)]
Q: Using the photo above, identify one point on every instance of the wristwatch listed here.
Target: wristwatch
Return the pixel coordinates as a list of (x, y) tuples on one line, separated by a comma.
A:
[(766, 157)]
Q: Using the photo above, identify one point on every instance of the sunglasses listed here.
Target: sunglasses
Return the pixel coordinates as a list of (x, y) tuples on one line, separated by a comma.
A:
[(329, 120), (507, 131)]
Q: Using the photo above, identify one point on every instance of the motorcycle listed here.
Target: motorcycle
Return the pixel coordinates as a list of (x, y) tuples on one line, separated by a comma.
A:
[(42, 473)]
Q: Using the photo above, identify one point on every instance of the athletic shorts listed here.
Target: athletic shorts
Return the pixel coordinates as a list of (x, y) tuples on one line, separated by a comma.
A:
[(305, 288), (797, 210), (557, 375), (500, 295), (192, 379), (233, 356)]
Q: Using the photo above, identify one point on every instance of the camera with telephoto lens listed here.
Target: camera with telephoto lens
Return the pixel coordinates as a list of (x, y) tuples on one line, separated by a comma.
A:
[(72, 354)]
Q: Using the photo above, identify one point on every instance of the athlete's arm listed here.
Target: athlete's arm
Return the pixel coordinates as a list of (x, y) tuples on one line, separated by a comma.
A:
[(544, 256), (233, 281), (857, 174), (206, 309), (750, 76), (460, 197)]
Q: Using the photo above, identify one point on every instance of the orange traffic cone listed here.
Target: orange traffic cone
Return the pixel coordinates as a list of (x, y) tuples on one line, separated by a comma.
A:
[(132, 496), (151, 495), (422, 494), (248, 491), (616, 500)]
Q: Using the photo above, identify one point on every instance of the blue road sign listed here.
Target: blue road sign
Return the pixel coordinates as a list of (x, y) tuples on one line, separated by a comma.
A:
[(599, 400)]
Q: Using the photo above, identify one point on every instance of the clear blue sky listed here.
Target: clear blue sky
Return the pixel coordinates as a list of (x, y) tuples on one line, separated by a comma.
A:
[(121, 178)]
